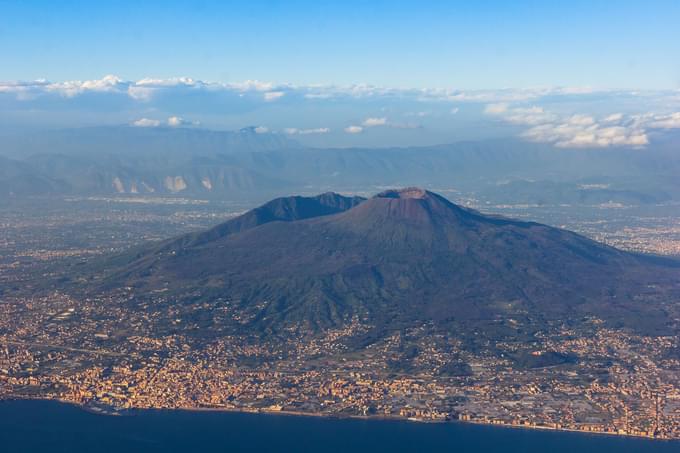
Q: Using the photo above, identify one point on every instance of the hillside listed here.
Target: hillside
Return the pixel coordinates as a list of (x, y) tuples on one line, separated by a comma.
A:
[(398, 260)]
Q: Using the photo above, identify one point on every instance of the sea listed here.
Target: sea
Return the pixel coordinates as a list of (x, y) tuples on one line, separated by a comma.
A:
[(49, 426)]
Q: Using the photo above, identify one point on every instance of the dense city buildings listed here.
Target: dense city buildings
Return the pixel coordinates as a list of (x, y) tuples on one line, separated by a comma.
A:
[(617, 383)]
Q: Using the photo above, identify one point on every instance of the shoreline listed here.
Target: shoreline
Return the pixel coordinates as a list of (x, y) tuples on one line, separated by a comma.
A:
[(116, 412)]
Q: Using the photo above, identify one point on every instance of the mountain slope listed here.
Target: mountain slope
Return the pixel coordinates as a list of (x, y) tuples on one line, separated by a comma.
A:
[(284, 209), (397, 260), (132, 160), (19, 178)]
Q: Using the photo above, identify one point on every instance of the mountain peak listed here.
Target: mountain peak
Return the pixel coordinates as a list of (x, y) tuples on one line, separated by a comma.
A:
[(405, 193), (411, 205)]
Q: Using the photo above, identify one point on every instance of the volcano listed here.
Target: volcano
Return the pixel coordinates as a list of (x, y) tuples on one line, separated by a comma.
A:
[(399, 259)]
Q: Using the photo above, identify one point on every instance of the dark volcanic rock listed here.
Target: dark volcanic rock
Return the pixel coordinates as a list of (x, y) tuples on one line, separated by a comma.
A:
[(399, 259)]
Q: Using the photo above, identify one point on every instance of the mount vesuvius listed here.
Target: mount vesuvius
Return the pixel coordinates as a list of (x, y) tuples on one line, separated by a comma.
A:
[(397, 260)]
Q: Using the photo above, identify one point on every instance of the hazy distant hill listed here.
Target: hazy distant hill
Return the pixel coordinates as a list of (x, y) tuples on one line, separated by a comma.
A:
[(22, 178), (397, 260), (199, 163), (139, 141), (134, 160)]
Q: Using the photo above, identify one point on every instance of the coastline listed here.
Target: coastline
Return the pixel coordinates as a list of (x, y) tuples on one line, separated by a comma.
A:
[(116, 412)]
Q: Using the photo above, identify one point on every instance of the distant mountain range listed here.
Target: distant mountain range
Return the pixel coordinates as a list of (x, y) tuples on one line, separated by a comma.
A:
[(401, 259), (248, 164)]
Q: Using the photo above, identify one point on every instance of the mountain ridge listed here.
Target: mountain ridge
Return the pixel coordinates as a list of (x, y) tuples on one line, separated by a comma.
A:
[(400, 258), (192, 162)]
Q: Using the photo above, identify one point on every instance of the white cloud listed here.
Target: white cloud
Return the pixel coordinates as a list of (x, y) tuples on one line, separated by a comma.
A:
[(582, 133), (581, 120), (613, 118), (513, 106), (354, 129), (528, 115), (23, 91), (261, 130), (373, 122), (176, 121), (146, 122), (670, 121), (296, 131), (141, 90), (144, 89), (252, 85), (496, 109), (494, 96), (573, 131), (175, 81), (107, 84), (140, 93), (273, 95), (515, 95), (613, 130), (379, 122)]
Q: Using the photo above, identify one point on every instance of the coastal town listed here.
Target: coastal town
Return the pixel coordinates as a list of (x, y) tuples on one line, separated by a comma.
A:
[(618, 383)]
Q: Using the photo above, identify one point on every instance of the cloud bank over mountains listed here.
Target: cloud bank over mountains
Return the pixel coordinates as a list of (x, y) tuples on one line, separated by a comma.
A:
[(145, 90), (350, 115), (582, 130), (173, 121)]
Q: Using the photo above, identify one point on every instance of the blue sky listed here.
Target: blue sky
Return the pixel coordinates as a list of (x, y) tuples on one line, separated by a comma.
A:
[(467, 45), (573, 74)]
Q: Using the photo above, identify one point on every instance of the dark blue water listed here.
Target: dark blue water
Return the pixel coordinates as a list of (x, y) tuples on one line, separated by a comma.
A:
[(43, 426)]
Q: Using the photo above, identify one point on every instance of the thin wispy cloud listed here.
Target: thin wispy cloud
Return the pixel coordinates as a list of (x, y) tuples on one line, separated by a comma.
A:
[(145, 89), (495, 109), (354, 129), (543, 114), (146, 122), (296, 131), (374, 122), (670, 121), (613, 118), (273, 95), (384, 122), (173, 121), (176, 121)]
